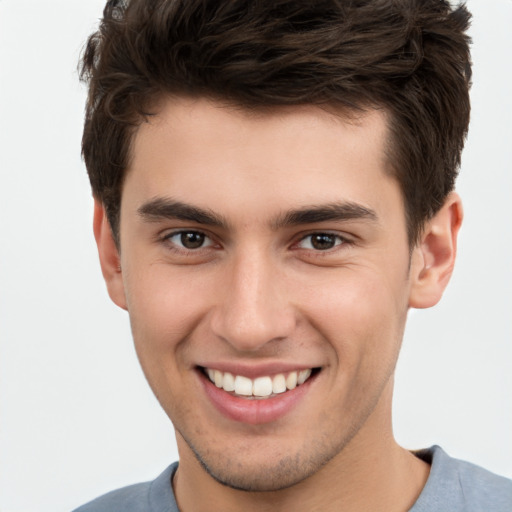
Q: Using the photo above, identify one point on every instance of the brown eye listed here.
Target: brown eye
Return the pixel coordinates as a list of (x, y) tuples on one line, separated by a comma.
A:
[(189, 240), (321, 241), (192, 239)]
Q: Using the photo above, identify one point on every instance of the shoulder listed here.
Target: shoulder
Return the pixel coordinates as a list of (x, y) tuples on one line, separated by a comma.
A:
[(483, 488), (128, 499), (156, 495), (462, 486)]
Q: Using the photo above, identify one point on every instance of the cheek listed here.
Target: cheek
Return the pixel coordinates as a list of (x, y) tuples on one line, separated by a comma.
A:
[(164, 309), (361, 313), (164, 306)]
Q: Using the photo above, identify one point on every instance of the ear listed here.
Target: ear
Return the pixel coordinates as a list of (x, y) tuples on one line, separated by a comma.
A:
[(433, 257), (110, 260)]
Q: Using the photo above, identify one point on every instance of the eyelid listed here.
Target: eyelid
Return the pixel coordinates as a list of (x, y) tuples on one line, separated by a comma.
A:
[(167, 235), (343, 240)]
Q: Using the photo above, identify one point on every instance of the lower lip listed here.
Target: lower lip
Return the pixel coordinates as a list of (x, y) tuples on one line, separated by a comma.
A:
[(254, 411)]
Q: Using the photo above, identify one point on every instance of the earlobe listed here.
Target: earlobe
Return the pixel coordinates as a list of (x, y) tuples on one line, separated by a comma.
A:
[(109, 256), (433, 258)]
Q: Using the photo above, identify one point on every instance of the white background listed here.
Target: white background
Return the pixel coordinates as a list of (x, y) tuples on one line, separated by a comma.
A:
[(77, 418)]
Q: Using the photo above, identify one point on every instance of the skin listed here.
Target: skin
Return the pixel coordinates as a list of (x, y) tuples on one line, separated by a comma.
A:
[(258, 293)]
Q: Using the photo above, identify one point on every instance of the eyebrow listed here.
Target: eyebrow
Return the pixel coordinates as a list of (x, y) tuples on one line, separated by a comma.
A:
[(344, 211), (162, 208)]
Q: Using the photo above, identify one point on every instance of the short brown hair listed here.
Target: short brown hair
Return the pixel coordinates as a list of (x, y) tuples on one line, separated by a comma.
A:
[(409, 57)]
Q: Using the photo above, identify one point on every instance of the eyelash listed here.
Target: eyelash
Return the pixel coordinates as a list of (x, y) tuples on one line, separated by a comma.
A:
[(339, 241), (181, 249)]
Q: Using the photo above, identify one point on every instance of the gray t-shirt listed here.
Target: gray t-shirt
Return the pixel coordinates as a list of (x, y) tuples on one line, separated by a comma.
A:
[(453, 486)]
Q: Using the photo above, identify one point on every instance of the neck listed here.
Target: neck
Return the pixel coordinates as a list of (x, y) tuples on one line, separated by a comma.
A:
[(372, 472)]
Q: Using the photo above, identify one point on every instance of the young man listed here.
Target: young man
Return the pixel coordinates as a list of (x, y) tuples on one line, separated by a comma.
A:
[(274, 190)]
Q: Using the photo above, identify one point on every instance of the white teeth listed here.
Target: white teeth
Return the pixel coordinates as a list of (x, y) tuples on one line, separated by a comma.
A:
[(218, 378), (261, 386), (279, 384), (303, 376), (243, 386), (229, 382), (291, 380)]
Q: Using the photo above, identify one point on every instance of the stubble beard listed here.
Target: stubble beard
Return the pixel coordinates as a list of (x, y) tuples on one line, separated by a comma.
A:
[(287, 471)]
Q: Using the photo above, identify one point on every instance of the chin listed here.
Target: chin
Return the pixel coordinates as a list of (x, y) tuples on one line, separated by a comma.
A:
[(265, 471), (263, 478)]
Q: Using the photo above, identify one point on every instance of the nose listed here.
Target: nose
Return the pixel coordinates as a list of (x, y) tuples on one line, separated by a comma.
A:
[(253, 308)]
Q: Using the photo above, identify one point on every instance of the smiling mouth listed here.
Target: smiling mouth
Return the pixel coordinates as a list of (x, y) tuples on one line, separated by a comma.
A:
[(261, 387)]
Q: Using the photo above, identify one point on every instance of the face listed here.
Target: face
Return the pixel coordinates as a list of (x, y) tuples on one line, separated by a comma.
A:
[(265, 267)]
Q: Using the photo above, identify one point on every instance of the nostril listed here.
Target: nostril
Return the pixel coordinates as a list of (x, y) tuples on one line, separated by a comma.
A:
[(250, 331)]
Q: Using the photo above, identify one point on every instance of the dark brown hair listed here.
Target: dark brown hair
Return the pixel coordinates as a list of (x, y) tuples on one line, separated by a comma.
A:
[(409, 57)]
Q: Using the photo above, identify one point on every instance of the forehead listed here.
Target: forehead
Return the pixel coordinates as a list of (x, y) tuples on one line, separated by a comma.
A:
[(226, 158), (189, 121)]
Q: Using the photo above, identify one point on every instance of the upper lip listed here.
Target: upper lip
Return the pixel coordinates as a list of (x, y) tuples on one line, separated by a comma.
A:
[(254, 370)]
